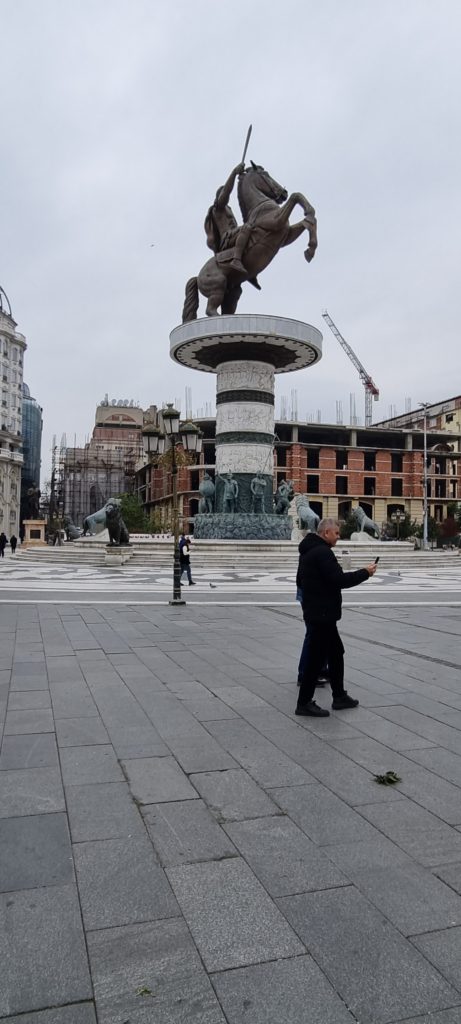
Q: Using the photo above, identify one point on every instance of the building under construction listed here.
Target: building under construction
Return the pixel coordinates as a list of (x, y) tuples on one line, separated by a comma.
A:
[(86, 477)]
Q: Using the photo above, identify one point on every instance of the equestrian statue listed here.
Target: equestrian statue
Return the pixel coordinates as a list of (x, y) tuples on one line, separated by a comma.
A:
[(242, 251)]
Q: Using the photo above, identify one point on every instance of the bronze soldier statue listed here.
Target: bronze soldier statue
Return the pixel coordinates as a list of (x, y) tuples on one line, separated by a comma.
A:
[(221, 228)]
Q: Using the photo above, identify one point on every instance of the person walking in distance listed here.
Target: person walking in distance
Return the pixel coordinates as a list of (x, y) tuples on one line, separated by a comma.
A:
[(321, 580), (184, 561), (13, 543), (3, 543)]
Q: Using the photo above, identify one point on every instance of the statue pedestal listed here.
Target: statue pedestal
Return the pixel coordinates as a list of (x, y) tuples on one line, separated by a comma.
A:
[(245, 351), (360, 537), (117, 556), (242, 526), (35, 533)]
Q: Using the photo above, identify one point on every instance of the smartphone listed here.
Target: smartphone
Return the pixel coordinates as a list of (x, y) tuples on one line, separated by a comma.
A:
[(376, 560)]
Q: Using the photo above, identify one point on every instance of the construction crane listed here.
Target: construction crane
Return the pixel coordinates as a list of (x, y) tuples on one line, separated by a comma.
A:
[(371, 391)]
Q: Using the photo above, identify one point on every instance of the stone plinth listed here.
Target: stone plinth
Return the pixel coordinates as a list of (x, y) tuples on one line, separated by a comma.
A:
[(242, 526), (34, 533), (117, 555)]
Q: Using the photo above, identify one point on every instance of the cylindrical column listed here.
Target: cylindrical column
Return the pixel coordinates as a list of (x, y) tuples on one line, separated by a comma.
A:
[(245, 428)]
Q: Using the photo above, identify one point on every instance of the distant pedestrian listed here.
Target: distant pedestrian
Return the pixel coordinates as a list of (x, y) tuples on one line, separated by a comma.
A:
[(184, 560), (3, 543), (321, 580), (13, 543)]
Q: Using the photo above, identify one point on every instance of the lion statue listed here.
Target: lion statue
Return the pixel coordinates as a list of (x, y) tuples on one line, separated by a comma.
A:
[(308, 519), (364, 522), (118, 533)]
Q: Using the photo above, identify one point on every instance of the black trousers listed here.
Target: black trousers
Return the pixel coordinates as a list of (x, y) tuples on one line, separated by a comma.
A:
[(325, 644)]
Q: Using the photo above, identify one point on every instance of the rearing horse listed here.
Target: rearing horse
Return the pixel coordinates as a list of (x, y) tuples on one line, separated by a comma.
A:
[(260, 198)]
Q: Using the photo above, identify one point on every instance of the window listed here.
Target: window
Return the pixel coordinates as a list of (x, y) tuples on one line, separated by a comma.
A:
[(194, 480), (312, 484), (341, 460), (312, 459), (396, 488), (281, 456), (369, 462), (449, 417), (369, 485), (440, 489), (341, 485), (396, 462), (209, 454)]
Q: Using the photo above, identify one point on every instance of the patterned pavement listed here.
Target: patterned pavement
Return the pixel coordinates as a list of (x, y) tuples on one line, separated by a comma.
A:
[(18, 576)]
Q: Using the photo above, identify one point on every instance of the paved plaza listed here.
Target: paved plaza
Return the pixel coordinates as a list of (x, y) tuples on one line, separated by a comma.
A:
[(177, 848)]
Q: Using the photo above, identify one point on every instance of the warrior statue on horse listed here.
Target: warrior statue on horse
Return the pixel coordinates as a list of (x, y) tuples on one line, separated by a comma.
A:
[(241, 252)]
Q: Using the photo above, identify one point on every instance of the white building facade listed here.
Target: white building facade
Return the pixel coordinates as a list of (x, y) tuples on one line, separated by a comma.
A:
[(12, 348)]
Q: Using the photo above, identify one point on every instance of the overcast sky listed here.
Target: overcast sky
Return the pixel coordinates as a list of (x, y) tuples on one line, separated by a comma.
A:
[(119, 120)]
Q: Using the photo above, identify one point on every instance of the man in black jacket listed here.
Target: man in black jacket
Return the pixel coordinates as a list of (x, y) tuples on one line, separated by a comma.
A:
[(321, 580)]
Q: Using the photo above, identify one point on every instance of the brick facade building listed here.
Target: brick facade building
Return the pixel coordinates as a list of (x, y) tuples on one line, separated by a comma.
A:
[(339, 467)]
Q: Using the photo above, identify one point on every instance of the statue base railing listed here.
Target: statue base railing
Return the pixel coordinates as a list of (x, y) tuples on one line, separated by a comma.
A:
[(242, 526)]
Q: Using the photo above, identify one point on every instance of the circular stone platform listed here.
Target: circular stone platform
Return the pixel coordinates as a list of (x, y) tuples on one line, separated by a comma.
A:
[(283, 343)]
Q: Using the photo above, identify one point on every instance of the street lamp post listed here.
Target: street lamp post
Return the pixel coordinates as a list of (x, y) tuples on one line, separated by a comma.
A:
[(191, 439), (424, 406)]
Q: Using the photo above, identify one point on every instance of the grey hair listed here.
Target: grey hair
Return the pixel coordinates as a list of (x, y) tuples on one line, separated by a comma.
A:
[(327, 524)]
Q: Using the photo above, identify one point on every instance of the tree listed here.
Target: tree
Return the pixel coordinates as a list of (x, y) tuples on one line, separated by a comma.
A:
[(347, 527), (432, 529), (133, 514), (407, 528)]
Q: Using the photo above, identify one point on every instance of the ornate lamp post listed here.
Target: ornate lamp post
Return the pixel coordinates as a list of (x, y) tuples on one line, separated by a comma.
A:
[(425, 406), (190, 437)]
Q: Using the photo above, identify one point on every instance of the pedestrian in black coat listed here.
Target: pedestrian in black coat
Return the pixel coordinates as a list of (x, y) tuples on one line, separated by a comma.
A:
[(321, 580)]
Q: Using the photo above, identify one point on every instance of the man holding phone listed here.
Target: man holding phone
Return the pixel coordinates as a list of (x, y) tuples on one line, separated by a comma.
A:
[(321, 580)]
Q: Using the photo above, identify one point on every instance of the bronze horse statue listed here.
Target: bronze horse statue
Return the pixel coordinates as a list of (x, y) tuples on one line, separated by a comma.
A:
[(260, 198)]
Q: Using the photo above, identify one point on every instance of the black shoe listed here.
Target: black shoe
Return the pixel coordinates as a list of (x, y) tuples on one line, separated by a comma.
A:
[(313, 710), (192, 584), (343, 701)]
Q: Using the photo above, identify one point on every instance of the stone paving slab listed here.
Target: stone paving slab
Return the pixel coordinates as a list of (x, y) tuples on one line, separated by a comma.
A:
[(110, 894), (380, 975), (31, 791), (185, 832), (159, 959), (232, 919), (443, 949), (278, 992), (42, 950), (232, 795), (403, 891), (31, 751), (79, 1013), (235, 864), (35, 851), (103, 810), (89, 764), (156, 779)]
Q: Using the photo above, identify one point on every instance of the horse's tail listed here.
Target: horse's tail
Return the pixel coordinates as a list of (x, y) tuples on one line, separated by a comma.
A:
[(191, 301)]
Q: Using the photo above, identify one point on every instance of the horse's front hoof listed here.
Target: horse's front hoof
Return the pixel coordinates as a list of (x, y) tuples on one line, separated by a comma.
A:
[(309, 254)]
